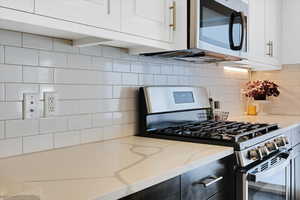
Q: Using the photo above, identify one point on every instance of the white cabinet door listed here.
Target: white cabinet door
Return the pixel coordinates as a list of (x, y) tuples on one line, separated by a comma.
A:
[(99, 13), (25, 5), (257, 29), (148, 18), (291, 32), (273, 29), (265, 31)]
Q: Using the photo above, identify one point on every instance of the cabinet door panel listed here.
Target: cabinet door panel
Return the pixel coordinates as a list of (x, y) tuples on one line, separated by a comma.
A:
[(25, 5), (257, 29), (146, 18), (99, 13), (273, 27)]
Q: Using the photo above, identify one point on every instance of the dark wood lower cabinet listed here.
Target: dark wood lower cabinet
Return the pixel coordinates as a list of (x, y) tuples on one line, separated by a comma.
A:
[(218, 177), (168, 190)]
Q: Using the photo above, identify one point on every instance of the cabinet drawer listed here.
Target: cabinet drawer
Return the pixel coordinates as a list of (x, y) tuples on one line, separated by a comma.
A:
[(192, 183), (168, 190)]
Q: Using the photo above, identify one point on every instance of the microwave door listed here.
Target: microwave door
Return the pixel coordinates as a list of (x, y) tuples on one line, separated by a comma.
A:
[(214, 23)]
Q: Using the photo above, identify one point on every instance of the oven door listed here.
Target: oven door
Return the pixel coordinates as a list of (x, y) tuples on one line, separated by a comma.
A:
[(219, 26), (269, 180)]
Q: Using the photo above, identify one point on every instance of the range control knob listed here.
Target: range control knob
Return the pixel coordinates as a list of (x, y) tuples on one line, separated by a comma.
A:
[(271, 146), (281, 141), (264, 151), (254, 154), (286, 140)]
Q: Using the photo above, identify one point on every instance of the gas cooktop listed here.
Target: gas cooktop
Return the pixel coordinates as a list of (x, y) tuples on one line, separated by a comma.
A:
[(227, 131)]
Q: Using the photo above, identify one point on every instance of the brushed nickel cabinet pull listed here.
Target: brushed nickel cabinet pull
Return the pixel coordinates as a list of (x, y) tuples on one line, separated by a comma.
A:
[(269, 48), (173, 10), (272, 49), (108, 7), (210, 181)]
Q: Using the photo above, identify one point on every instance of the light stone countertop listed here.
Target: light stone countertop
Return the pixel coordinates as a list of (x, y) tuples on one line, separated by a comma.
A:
[(104, 170)]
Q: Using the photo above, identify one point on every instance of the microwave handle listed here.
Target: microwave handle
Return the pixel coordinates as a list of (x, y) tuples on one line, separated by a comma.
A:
[(231, 23), (261, 175)]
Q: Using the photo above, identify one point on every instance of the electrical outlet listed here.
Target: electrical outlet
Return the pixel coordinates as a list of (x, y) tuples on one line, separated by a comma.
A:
[(31, 105), (50, 104)]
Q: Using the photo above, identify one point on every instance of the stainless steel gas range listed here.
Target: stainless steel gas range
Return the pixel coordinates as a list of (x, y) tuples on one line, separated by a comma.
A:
[(262, 150)]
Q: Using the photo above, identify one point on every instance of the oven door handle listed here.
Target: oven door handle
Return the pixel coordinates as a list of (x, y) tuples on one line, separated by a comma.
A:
[(256, 177)]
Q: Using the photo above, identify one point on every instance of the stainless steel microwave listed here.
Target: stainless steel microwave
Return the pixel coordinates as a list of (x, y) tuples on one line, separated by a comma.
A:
[(216, 30)]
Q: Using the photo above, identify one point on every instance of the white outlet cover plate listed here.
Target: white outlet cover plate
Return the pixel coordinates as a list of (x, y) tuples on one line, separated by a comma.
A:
[(31, 105), (50, 104)]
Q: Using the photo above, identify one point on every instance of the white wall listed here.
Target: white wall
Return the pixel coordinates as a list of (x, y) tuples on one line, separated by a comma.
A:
[(96, 88)]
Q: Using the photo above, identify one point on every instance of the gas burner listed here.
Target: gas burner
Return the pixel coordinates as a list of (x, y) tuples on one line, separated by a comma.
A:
[(218, 130)]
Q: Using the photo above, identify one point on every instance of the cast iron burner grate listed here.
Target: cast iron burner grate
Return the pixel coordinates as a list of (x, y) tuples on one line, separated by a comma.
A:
[(218, 130)]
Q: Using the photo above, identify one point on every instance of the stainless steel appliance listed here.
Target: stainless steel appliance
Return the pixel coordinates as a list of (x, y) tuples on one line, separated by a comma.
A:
[(262, 150), (217, 31)]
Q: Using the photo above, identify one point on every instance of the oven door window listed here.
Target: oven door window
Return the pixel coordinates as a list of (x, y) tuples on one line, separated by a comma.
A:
[(273, 187), (215, 20)]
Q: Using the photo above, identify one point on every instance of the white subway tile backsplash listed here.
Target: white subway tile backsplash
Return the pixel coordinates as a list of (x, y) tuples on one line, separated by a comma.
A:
[(111, 52), (2, 133), (18, 128), (111, 78), (91, 135), (96, 87), (10, 110), (77, 76), (130, 79), (1, 54), (124, 91), (66, 139), (10, 73), (173, 80), (37, 41), (102, 64), (91, 51), (80, 122), (75, 60), (137, 67), (2, 92), (52, 125), (10, 147), (68, 107), (52, 59), (112, 132), (146, 79), (38, 75), (15, 91), (62, 45), (160, 80), (102, 119), (11, 38), (167, 69), (37, 143), (123, 117), (121, 66), (21, 56)]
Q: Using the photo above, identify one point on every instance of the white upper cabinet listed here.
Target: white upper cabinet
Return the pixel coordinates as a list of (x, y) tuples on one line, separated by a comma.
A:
[(149, 18), (24, 5), (291, 32), (273, 22), (99, 13), (265, 31)]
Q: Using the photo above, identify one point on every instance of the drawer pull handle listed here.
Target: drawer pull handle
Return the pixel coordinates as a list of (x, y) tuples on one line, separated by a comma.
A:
[(210, 181)]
